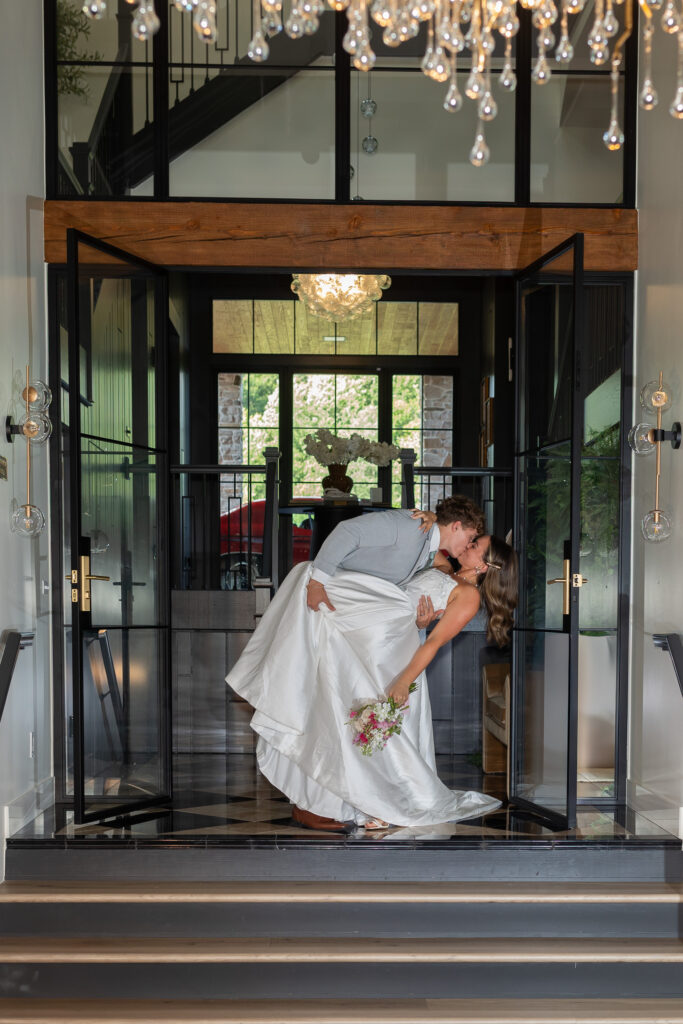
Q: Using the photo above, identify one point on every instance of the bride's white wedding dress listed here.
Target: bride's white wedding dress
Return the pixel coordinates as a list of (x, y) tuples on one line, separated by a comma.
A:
[(302, 671)]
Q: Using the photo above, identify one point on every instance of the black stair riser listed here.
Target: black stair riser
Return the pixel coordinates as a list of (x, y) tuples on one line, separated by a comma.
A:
[(348, 981), (210, 920), (498, 863)]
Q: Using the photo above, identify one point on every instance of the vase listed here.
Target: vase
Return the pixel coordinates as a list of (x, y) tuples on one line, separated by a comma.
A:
[(337, 478)]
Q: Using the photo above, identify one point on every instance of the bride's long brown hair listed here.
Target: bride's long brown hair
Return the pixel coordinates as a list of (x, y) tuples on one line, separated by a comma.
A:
[(498, 588)]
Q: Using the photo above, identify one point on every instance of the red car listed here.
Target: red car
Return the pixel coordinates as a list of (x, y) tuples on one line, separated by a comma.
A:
[(242, 537)]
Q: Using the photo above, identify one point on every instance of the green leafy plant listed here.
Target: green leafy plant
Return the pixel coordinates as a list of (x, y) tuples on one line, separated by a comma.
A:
[(73, 27)]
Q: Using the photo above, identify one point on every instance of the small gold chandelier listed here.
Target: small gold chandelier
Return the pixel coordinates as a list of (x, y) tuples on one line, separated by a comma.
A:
[(339, 296), (454, 26)]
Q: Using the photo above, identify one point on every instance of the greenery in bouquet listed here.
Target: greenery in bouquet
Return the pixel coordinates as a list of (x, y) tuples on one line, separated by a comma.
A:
[(329, 449)]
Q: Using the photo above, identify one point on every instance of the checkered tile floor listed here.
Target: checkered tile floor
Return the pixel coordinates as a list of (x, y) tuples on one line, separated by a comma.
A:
[(226, 799)]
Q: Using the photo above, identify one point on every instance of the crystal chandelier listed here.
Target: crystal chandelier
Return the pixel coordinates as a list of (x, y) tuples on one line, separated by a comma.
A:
[(454, 26), (339, 296)]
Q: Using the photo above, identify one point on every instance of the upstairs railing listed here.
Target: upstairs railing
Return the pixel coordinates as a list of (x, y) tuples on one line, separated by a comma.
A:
[(208, 86), (491, 489), (225, 526)]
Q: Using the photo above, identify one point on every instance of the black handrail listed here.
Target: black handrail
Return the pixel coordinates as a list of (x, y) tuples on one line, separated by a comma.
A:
[(203, 561), (14, 642), (672, 643)]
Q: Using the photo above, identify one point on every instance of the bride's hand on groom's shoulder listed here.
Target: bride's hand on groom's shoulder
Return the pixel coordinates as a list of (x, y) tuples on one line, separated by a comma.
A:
[(427, 519)]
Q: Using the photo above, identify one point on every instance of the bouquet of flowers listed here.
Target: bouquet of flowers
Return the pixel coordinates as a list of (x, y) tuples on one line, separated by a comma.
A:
[(329, 449), (376, 721)]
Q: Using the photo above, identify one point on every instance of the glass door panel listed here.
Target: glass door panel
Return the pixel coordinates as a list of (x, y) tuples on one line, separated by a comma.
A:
[(118, 580), (549, 435)]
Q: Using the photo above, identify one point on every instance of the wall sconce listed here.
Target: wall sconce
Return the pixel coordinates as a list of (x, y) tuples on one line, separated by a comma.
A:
[(655, 397), (35, 427)]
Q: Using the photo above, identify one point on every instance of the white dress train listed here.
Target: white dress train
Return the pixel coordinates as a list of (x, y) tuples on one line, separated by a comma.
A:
[(302, 671)]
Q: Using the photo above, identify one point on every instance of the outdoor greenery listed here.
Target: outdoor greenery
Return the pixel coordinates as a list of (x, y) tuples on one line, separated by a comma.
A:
[(344, 403), (73, 27)]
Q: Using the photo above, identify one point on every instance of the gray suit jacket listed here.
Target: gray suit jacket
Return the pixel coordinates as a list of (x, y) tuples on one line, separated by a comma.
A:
[(387, 544)]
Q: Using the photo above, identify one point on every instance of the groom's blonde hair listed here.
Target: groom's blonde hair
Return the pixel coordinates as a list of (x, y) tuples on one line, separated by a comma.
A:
[(460, 509)]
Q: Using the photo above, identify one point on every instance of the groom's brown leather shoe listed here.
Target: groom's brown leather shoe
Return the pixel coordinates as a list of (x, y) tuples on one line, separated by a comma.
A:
[(307, 819)]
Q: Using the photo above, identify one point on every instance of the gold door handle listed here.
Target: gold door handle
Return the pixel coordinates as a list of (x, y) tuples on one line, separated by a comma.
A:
[(85, 576), (566, 589)]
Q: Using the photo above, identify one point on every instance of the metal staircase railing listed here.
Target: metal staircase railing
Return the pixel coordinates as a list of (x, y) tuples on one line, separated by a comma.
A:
[(14, 642), (672, 643)]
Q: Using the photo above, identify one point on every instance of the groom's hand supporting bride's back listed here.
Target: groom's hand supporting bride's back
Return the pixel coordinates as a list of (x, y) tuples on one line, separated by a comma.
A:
[(317, 595)]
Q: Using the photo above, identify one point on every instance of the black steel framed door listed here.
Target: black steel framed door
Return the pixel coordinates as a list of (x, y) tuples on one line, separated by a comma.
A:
[(118, 496), (548, 451)]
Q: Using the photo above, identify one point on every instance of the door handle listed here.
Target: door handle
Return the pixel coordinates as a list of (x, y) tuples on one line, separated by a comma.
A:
[(80, 583), (566, 588)]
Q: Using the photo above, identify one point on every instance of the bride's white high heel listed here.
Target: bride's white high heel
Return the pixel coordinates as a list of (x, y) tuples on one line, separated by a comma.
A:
[(375, 825)]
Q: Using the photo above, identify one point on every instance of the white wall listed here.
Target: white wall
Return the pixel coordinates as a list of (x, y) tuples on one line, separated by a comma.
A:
[(656, 752), (24, 563)]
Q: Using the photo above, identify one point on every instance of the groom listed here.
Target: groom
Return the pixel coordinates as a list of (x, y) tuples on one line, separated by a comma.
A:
[(391, 544)]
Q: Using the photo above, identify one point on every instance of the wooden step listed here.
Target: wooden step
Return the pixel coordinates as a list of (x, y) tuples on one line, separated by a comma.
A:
[(91, 950), (334, 1011), (340, 892)]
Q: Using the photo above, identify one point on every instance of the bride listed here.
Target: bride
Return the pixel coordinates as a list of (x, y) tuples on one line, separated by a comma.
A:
[(303, 671)]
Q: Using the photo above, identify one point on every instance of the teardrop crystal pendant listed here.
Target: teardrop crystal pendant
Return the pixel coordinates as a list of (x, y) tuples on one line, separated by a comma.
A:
[(541, 71), (272, 24), (480, 152), (648, 95), (671, 19), (613, 137), (565, 51), (204, 21), (488, 108), (610, 24), (364, 58), (370, 144), (368, 107), (508, 78), (475, 85), (676, 108), (94, 9), (258, 48), (453, 101), (145, 22)]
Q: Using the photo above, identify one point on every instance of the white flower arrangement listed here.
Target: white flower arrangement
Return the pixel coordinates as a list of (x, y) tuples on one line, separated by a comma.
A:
[(329, 449)]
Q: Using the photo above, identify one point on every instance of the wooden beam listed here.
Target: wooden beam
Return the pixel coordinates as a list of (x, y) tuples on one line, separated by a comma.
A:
[(317, 236)]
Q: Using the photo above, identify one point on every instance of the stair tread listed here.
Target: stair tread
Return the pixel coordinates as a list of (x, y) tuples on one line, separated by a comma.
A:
[(59, 949), (340, 892), (343, 1011)]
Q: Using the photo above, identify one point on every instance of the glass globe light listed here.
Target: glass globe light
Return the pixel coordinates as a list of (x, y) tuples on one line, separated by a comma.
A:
[(655, 396), (639, 439), (27, 521), (656, 525), (38, 396), (36, 427)]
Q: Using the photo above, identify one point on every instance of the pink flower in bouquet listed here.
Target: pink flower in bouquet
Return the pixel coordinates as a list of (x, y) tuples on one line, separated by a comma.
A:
[(376, 722)]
